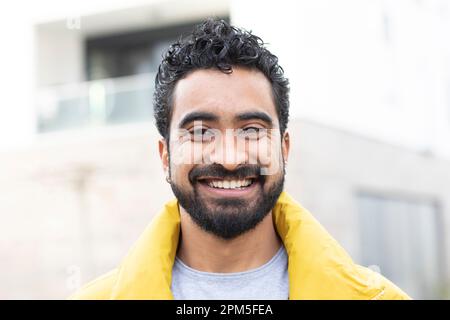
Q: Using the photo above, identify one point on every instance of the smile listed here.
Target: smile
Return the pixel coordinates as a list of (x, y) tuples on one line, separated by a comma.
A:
[(228, 187), (229, 184)]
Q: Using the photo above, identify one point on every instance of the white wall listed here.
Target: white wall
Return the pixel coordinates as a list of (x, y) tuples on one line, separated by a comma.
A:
[(378, 68), (343, 70), (16, 77), (42, 50)]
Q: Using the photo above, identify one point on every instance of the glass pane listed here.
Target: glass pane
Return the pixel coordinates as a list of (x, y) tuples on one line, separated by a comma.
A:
[(401, 237)]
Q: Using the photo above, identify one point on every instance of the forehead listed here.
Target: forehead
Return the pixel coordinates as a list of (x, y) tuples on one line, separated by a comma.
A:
[(223, 94)]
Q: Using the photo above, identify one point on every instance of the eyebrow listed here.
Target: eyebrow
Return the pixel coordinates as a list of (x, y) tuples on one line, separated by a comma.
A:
[(255, 115), (208, 116), (197, 116)]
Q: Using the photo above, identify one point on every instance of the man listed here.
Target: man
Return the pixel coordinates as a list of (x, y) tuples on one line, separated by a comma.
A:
[(221, 107)]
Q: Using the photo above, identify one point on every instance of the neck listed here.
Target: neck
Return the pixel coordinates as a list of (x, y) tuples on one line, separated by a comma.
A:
[(206, 252)]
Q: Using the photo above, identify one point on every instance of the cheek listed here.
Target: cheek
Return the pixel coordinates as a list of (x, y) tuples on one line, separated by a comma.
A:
[(186, 153), (267, 153), (180, 174), (272, 175)]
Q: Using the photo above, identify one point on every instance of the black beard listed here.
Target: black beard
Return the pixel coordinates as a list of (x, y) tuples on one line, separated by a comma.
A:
[(228, 218)]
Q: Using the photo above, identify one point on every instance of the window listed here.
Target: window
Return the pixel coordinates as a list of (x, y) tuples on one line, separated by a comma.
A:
[(402, 236), (120, 71)]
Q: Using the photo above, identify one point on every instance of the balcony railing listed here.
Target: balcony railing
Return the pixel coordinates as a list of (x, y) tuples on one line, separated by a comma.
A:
[(95, 103)]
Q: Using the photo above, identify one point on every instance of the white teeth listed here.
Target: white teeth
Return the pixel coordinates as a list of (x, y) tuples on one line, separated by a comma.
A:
[(246, 182), (230, 184)]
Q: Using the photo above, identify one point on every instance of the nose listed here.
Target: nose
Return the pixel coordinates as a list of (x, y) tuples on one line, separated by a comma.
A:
[(229, 151)]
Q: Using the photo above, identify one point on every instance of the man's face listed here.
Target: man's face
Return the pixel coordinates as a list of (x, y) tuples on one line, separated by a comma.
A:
[(226, 157)]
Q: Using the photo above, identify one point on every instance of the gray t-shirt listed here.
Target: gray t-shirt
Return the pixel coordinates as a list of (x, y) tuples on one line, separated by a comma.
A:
[(269, 281)]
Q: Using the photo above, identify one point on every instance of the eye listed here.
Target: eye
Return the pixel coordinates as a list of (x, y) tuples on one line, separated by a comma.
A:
[(251, 133), (201, 134)]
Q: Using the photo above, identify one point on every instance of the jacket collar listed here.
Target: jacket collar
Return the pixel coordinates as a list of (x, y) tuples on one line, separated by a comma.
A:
[(318, 267)]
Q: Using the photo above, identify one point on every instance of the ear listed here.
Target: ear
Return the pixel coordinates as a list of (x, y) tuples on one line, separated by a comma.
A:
[(285, 144), (164, 155)]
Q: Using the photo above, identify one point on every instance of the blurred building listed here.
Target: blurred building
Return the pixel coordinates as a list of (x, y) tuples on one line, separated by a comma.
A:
[(370, 124)]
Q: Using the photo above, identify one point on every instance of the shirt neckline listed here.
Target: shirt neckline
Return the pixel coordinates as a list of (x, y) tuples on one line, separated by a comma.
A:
[(266, 267)]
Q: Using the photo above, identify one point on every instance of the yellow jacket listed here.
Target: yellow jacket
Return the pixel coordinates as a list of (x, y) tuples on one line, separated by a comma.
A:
[(318, 268)]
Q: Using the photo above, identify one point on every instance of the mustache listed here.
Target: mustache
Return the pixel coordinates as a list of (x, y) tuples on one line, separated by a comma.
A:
[(218, 171)]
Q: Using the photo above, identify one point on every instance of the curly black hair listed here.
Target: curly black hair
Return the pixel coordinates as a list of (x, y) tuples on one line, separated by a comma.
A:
[(216, 44)]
